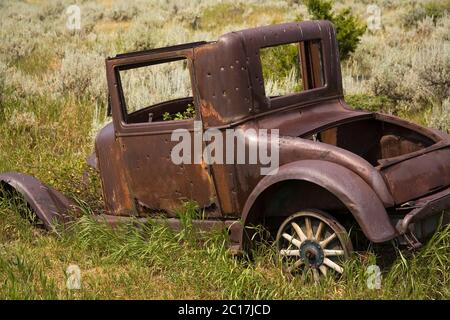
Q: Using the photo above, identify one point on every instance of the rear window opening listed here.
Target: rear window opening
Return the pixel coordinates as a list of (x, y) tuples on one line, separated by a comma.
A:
[(373, 140), (292, 68)]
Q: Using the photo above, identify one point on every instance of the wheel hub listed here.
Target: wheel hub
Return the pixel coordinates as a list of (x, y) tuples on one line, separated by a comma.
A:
[(312, 253)]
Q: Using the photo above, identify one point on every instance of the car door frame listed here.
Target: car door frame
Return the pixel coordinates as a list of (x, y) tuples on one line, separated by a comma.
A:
[(118, 107)]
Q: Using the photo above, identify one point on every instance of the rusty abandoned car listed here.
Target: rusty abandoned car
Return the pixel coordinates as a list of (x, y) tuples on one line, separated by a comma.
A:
[(339, 168)]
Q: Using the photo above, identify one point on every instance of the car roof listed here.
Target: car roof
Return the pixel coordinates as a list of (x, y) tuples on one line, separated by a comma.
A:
[(176, 47), (229, 73)]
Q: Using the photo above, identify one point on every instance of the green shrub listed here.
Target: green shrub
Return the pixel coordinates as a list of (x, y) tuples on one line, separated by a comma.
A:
[(281, 70), (434, 10), (81, 74), (369, 102), (348, 27), (439, 116), (320, 9), (189, 113), (278, 61), (415, 78)]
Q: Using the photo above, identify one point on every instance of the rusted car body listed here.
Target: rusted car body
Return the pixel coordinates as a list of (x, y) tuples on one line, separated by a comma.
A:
[(389, 176)]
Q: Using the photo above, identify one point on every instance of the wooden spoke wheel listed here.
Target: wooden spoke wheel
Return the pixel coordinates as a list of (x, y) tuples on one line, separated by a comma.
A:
[(313, 240)]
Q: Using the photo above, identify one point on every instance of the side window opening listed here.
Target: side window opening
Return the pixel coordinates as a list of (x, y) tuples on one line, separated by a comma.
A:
[(157, 92), (281, 69), (292, 68)]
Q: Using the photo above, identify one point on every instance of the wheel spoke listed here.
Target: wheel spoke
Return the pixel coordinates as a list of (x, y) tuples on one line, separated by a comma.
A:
[(285, 252), (299, 231), (297, 264), (333, 265), (316, 275), (325, 242), (319, 231), (292, 240), (309, 231), (329, 253), (323, 269)]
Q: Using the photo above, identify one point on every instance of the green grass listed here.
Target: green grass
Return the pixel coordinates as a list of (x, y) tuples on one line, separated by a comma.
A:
[(149, 261), (52, 145)]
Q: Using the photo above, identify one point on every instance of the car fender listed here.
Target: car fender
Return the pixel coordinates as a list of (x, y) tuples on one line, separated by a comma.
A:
[(348, 187), (48, 204)]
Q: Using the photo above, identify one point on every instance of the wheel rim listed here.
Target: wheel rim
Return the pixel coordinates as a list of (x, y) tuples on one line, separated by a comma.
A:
[(313, 240)]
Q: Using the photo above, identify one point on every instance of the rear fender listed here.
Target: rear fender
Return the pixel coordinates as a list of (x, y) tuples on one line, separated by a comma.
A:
[(348, 187), (49, 205)]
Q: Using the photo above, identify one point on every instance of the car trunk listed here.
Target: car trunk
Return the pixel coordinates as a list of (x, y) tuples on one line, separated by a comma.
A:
[(413, 161)]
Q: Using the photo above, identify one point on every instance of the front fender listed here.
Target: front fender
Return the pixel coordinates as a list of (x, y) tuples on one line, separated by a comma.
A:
[(347, 186), (49, 204)]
